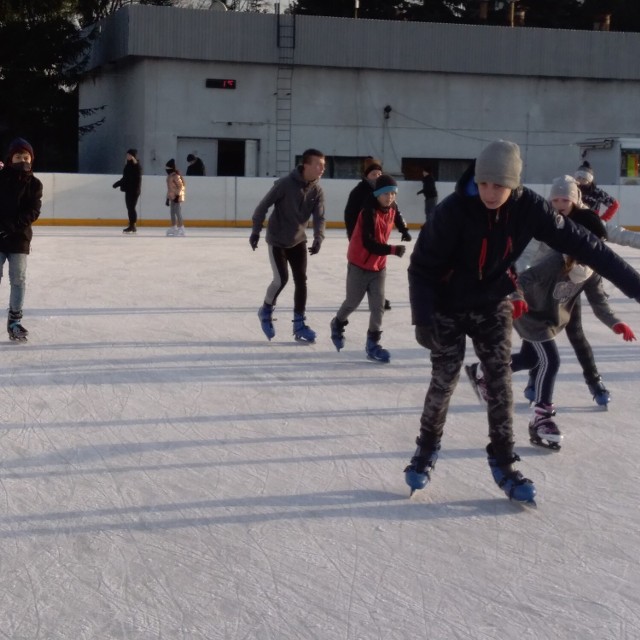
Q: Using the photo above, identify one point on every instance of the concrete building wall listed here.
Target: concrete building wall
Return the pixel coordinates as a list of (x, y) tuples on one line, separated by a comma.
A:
[(451, 89), (152, 103)]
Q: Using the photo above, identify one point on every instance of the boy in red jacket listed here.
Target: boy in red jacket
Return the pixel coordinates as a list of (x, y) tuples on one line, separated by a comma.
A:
[(367, 257)]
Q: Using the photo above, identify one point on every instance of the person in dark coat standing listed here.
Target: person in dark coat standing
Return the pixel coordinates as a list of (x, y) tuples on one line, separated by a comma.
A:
[(360, 193), (20, 203), (196, 166), (131, 184), (462, 283), (429, 192)]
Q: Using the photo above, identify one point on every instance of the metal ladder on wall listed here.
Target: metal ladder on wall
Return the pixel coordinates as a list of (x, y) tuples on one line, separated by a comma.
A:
[(284, 81)]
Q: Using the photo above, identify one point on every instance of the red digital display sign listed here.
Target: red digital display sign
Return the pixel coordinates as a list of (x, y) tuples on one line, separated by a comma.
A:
[(220, 83)]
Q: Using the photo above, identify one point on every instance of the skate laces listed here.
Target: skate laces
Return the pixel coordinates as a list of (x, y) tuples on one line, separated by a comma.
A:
[(598, 387), (543, 419), (423, 462)]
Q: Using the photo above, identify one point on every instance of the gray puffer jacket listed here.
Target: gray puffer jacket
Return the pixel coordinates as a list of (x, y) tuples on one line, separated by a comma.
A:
[(551, 294)]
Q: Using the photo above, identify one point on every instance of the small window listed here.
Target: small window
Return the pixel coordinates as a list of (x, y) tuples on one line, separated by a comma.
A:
[(442, 169), (630, 163)]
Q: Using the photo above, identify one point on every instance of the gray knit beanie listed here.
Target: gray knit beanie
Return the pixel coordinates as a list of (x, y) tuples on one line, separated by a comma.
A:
[(565, 187), (500, 163)]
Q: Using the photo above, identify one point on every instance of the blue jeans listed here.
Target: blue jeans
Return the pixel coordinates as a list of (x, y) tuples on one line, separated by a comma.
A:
[(17, 277)]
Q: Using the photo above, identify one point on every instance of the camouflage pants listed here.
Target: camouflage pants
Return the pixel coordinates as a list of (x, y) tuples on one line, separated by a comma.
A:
[(490, 333)]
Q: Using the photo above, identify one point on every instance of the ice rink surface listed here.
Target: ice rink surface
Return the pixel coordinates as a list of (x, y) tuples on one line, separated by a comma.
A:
[(168, 473)]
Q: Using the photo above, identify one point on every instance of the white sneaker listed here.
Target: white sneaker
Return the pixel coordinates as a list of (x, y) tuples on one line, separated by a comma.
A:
[(180, 231), (172, 231)]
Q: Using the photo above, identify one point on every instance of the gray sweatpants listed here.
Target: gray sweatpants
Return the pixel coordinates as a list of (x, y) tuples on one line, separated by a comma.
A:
[(361, 282), (175, 210)]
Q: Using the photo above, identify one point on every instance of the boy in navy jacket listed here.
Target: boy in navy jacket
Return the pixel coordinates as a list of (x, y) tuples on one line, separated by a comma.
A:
[(461, 280)]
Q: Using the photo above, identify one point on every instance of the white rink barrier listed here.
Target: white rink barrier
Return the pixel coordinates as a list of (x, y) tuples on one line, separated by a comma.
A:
[(89, 199)]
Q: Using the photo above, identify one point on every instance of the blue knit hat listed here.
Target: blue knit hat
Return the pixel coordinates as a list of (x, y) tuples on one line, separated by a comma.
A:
[(385, 184)]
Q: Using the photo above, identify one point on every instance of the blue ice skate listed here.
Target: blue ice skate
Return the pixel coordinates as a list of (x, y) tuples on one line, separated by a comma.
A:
[(301, 332), (337, 333), (375, 352), (265, 313), (600, 393), (530, 390), (417, 474), (511, 481)]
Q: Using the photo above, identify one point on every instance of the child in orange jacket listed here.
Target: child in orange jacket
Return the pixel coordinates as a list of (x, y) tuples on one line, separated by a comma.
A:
[(176, 190)]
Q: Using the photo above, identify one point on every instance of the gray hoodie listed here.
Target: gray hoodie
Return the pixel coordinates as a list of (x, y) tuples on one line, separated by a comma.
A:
[(294, 201), (551, 294)]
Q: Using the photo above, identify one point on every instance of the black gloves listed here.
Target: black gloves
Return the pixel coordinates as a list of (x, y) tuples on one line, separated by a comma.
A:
[(406, 237), (253, 240), (115, 185), (177, 199), (315, 247), (166, 202), (427, 336), (399, 250)]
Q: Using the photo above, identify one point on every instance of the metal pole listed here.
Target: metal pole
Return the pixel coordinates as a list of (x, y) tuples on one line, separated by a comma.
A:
[(356, 7)]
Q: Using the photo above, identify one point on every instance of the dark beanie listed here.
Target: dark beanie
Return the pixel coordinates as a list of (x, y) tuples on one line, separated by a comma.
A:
[(191, 157), (371, 164), (385, 184), (17, 145), (591, 221), (171, 164), (133, 152), (500, 163)]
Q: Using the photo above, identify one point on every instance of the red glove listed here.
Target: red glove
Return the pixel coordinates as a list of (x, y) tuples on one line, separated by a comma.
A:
[(624, 330), (520, 307)]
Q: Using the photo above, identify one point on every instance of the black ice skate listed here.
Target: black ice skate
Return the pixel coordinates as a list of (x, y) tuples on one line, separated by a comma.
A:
[(15, 329), (478, 383)]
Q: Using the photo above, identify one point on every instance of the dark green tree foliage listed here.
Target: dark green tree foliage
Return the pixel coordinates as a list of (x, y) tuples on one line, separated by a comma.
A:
[(550, 14), (40, 49), (380, 9), (555, 14)]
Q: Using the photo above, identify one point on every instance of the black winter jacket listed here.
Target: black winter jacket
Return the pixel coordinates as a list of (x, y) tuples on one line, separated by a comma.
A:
[(131, 181), (462, 260), (20, 203), (357, 199)]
